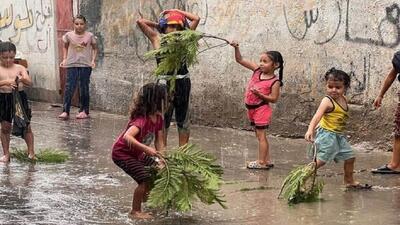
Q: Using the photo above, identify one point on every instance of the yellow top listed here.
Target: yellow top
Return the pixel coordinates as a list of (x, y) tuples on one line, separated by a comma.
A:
[(334, 120)]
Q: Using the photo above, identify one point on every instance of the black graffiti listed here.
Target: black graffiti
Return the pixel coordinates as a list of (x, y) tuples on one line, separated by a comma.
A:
[(392, 16), (309, 20), (360, 84), (312, 19)]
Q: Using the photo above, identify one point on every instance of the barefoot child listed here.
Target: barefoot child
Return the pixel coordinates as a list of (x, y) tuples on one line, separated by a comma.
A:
[(8, 74), (174, 20), (79, 55), (331, 118), (132, 152), (262, 89)]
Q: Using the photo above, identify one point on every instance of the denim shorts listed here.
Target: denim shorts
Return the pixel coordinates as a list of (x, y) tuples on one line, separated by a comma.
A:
[(332, 146)]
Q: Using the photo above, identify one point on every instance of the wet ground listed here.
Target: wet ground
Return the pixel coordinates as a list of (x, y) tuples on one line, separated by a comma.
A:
[(90, 189)]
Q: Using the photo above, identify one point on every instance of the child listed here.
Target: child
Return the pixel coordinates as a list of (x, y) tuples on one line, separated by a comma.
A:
[(394, 166), (262, 89), (174, 20), (131, 151), (8, 74), (331, 118), (79, 55)]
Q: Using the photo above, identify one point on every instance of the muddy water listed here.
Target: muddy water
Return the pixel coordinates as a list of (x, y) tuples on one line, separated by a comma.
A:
[(89, 189)]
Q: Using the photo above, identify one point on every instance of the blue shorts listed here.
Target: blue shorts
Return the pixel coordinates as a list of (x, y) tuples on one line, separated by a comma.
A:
[(332, 146)]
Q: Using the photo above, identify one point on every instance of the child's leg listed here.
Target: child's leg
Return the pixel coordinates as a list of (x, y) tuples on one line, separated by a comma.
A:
[(138, 197), (5, 140), (84, 81), (395, 161), (29, 142), (348, 171), (72, 78), (263, 147)]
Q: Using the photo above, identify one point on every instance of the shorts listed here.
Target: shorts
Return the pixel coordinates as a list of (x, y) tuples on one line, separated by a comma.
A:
[(332, 146), (396, 130), (260, 117), (7, 106), (136, 168), (179, 101)]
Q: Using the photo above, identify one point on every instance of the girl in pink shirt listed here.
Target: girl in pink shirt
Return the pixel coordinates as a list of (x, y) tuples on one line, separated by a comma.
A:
[(262, 89), (132, 151), (79, 55)]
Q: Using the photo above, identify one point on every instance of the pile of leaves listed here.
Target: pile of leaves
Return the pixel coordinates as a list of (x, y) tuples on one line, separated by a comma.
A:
[(301, 185), (176, 48), (189, 174), (47, 155)]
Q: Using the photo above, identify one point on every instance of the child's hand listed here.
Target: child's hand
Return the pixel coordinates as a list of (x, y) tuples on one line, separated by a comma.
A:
[(234, 44), (93, 65), (151, 151), (309, 136), (255, 91), (62, 64), (378, 102), (10, 83)]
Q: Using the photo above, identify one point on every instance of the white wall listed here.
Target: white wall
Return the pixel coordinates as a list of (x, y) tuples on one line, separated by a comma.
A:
[(30, 25)]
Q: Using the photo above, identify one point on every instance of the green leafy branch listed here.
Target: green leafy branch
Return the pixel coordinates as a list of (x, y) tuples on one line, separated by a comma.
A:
[(189, 174)]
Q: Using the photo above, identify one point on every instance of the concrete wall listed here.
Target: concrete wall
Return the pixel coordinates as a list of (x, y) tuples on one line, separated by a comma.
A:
[(30, 25), (356, 36)]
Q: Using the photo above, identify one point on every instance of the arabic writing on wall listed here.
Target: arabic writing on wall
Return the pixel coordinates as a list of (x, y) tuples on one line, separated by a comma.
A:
[(29, 21)]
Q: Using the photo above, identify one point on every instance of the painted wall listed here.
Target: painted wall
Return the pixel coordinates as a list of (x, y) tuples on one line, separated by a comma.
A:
[(30, 25), (356, 36)]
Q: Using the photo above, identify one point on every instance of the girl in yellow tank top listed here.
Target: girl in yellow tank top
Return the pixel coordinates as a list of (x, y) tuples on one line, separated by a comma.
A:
[(335, 120), (330, 119)]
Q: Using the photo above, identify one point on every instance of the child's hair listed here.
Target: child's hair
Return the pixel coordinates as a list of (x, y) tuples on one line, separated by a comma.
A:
[(276, 57), (338, 75), (79, 17), (7, 47), (150, 99)]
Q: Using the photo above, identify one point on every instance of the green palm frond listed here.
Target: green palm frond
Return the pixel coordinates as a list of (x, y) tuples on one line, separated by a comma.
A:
[(47, 155), (189, 174), (301, 185), (177, 48)]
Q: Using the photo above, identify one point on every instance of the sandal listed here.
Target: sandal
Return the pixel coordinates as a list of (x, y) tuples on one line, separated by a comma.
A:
[(257, 165), (384, 170), (358, 186)]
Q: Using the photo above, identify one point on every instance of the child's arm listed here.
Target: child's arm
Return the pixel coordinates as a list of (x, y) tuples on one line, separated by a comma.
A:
[(246, 63), (386, 85), (65, 54), (194, 19), (129, 137), (9, 82), (273, 97), (94, 54), (325, 105), (24, 77), (147, 27), (159, 141)]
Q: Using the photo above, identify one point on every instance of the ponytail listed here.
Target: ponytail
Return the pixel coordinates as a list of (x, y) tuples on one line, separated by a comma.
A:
[(276, 57)]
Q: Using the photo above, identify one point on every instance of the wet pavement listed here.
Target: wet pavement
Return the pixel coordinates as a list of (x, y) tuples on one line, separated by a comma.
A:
[(90, 189)]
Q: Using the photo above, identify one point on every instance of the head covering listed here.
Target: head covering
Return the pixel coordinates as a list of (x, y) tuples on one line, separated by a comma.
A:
[(175, 18), (396, 61)]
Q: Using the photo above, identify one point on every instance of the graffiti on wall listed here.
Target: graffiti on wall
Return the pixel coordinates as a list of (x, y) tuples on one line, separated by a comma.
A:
[(31, 19), (388, 23)]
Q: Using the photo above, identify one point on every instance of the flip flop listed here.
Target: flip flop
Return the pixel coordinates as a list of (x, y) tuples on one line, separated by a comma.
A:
[(384, 170), (358, 187), (258, 166)]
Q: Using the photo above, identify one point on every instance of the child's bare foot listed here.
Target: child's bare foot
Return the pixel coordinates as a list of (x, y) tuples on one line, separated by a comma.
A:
[(32, 156), (140, 215), (63, 116), (5, 159)]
